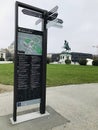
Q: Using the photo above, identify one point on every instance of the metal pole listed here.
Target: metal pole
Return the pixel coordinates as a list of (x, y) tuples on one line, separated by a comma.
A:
[(44, 63), (15, 64)]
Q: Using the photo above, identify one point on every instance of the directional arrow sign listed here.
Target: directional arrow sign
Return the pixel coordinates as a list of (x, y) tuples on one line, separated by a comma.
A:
[(55, 23), (59, 21), (52, 11), (52, 16), (32, 13)]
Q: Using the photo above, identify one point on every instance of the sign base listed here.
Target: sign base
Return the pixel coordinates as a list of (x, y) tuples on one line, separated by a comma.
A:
[(27, 117)]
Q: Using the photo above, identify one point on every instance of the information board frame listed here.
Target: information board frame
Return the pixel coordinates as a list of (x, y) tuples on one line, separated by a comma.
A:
[(44, 54), (29, 66)]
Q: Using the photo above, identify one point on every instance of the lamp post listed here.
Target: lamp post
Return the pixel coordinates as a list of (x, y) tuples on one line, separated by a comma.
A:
[(96, 47)]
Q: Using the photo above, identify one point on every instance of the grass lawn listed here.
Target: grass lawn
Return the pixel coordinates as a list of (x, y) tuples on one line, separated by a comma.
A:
[(57, 74), (61, 74), (6, 74)]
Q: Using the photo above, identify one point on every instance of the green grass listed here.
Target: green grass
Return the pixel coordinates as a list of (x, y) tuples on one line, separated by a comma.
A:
[(71, 74), (57, 74), (6, 74)]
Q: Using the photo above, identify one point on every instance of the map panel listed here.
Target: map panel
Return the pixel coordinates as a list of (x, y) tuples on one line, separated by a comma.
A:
[(29, 44)]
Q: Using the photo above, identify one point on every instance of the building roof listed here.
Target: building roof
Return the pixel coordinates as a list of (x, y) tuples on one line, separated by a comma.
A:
[(65, 52)]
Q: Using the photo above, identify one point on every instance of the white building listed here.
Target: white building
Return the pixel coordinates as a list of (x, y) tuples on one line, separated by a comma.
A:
[(89, 61), (49, 55), (3, 54), (64, 56)]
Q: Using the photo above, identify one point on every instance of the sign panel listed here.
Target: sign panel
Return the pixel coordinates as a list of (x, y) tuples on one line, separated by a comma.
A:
[(51, 12), (29, 64)]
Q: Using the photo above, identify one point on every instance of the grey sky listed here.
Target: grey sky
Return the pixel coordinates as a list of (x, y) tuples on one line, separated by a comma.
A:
[(80, 24)]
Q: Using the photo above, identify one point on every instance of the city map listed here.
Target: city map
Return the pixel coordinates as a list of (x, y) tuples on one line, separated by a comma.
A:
[(29, 44)]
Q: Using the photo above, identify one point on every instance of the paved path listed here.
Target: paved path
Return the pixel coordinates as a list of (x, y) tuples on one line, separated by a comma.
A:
[(77, 103)]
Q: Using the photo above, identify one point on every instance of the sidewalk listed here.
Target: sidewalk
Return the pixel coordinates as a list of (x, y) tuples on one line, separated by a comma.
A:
[(76, 103)]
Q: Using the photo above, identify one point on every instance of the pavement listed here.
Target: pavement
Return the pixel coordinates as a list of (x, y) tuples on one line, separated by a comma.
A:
[(76, 105)]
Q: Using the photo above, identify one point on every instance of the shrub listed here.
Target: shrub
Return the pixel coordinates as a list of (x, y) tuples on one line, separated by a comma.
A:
[(10, 59), (48, 60), (67, 61), (1, 59), (82, 61), (95, 62)]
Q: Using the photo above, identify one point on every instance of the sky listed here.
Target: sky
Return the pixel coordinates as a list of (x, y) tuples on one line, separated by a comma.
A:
[(80, 27)]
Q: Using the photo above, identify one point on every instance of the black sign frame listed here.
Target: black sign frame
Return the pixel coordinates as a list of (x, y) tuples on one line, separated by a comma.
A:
[(44, 54)]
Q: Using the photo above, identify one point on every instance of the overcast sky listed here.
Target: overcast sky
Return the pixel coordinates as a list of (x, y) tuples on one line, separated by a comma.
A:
[(80, 26)]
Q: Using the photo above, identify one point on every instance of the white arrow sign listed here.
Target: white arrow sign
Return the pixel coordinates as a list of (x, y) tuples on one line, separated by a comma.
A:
[(51, 11), (54, 23)]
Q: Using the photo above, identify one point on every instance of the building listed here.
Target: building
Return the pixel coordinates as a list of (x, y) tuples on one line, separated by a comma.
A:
[(64, 56), (7, 54), (49, 55), (76, 56), (54, 57), (3, 54)]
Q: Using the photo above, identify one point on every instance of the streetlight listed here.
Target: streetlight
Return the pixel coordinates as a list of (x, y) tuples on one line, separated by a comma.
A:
[(96, 46)]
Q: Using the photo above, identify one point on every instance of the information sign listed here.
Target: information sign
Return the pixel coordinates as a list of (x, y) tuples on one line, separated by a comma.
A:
[(31, 57), (29, 66)]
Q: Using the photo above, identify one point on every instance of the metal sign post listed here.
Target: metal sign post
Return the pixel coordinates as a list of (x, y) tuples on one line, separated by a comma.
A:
[(30, 59)]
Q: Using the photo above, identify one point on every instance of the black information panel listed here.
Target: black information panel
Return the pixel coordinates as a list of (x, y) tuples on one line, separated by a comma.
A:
[(30, 58), (29, 65)]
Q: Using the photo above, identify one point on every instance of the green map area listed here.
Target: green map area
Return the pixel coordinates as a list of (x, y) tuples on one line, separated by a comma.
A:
[(30, 44)]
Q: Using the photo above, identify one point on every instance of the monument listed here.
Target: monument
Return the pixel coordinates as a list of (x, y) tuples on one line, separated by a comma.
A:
[(66, 46)]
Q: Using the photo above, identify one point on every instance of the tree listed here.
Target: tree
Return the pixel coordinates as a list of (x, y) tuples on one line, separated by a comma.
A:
[(48, 60), (82, 61), (9, 55), (1, 58)]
